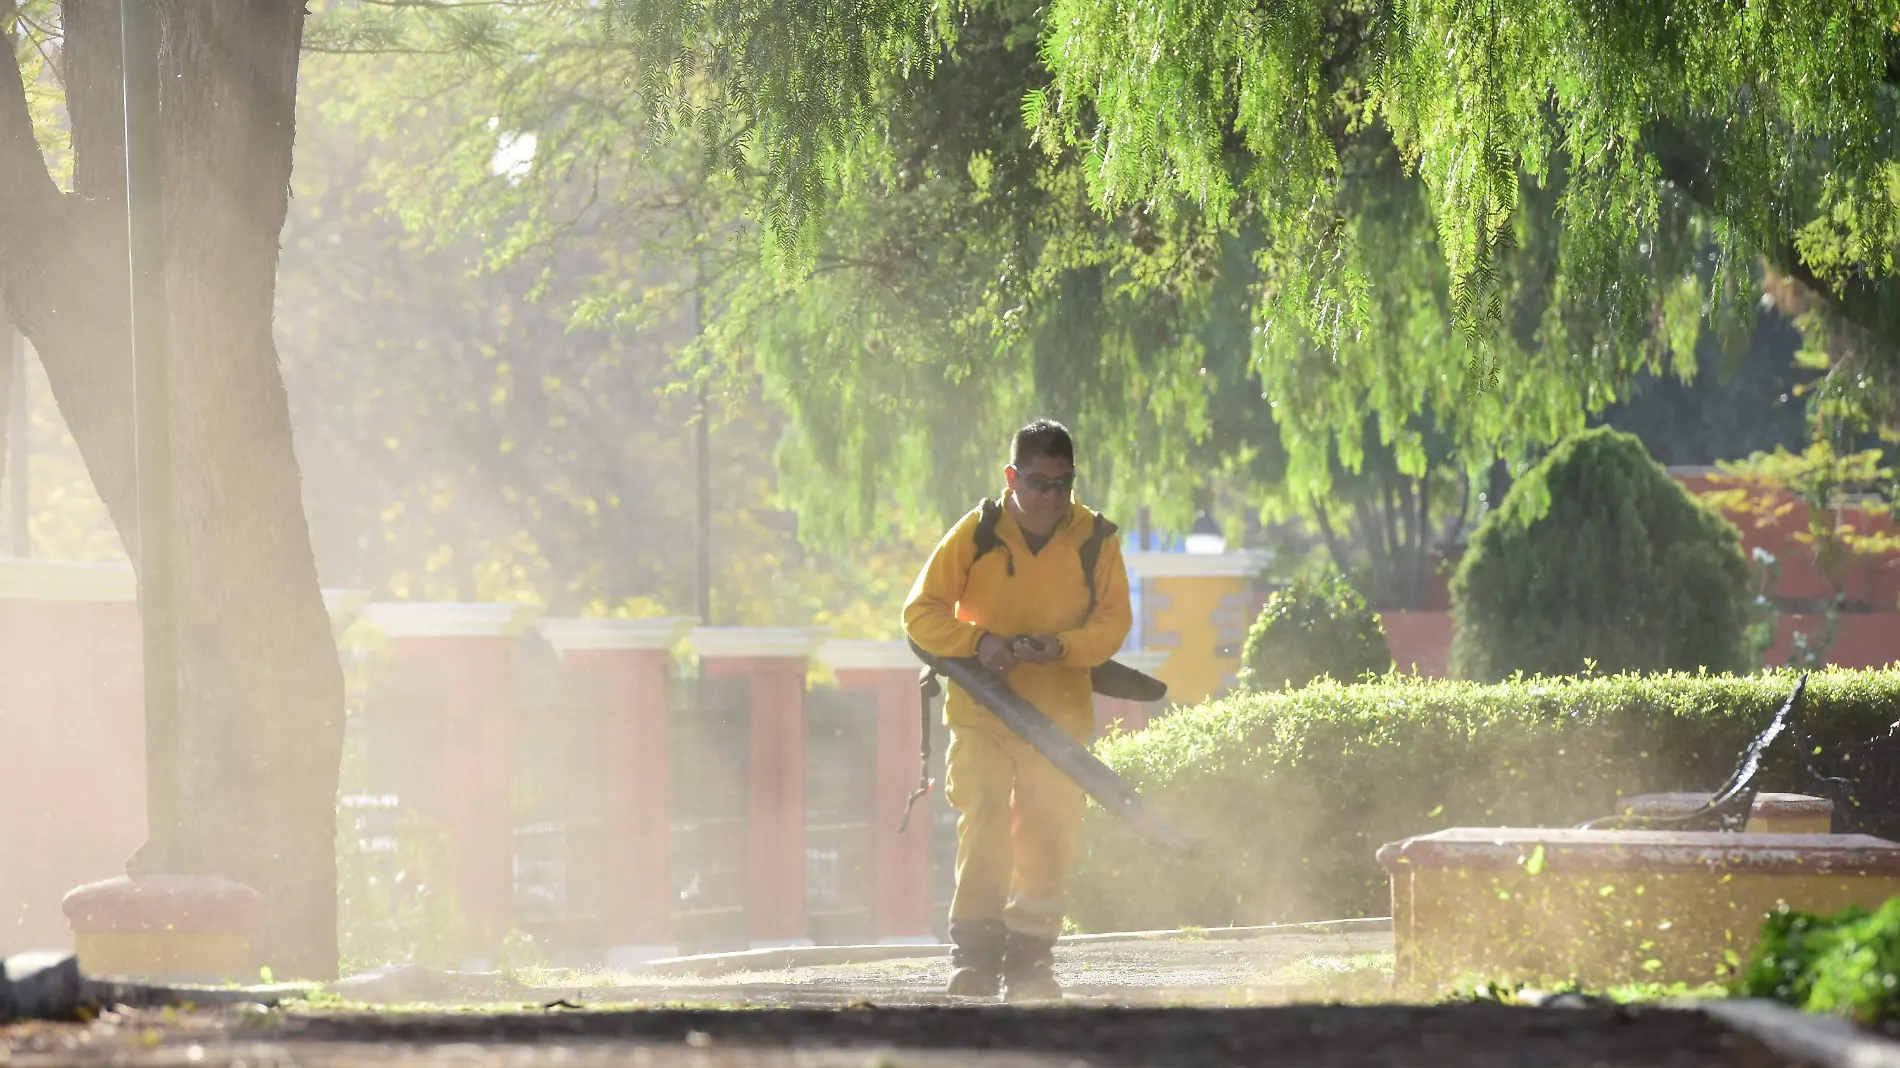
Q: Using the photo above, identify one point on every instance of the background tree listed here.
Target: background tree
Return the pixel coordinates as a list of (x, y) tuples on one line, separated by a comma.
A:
[(1616, 140), (1741, 400), (1598, 558), (487, 312), (889, 338), (965, 268), (1775, 130)]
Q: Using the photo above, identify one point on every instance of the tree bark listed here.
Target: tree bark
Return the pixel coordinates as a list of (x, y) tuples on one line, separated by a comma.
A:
[(1340, 552), (7, 430), (261, 689), (1421, 542), (1860, 299)]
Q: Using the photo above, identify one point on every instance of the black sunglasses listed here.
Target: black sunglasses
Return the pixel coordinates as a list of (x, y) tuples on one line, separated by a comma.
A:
[(1036, 483)]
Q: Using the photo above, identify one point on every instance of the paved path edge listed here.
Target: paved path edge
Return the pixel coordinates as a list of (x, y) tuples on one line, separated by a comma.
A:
[(779, 959), (1822, 1041)]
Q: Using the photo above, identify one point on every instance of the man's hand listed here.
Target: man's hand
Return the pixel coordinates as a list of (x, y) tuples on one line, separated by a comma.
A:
[(995, 654), (1037, 648)]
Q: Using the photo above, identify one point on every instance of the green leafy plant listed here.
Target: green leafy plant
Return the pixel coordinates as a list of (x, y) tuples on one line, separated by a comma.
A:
[(520, 953), (1846, 963), (1597, 553), (1841, 492), (1621, 993), (395, 898), (1313, 630), (1294, 791), (395, 901)]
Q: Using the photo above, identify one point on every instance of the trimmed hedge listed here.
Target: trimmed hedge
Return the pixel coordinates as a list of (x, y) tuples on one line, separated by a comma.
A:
[(1310, 630), (1596, 554), (1295, 790)]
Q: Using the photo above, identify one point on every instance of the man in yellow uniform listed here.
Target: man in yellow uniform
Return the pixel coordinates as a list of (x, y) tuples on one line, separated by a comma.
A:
[(1008, 585)]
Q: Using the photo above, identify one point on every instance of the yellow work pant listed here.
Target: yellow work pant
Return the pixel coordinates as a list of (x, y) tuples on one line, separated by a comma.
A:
[(1016, 828)]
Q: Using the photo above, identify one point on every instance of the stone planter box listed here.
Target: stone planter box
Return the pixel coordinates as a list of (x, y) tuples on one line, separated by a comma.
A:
[(1543, 905)]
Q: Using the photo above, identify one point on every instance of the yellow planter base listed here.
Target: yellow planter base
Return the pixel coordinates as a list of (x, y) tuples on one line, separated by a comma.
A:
[(166, 953), (1790, 825)]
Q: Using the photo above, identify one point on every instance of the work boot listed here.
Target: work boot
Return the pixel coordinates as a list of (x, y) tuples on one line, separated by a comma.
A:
[(976, 959), (1029, 965)]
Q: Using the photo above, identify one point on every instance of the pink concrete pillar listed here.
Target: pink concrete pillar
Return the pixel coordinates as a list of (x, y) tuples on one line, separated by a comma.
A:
[(773, 660), (889, 669), (1420, 641), (453, 665), (72, 739), (624, 668)]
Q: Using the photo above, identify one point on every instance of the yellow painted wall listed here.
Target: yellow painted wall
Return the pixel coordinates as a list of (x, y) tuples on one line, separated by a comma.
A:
[(1193, 672)]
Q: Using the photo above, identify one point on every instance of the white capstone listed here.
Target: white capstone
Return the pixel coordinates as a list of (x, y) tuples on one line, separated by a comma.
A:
[(66, 580), (843, 655), (629, 958), (1204, 544), (914, 940), (799, 642), (449, 619), (343, 606), (573, 635), (1241, 563), (1146, 661), (782, 943)]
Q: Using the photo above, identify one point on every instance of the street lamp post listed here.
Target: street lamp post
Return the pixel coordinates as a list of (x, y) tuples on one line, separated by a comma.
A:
[(151, 392), (702, 459), (19, 448)]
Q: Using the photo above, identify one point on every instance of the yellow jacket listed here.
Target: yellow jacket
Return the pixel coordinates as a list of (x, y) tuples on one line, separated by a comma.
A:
[(1011, 591)]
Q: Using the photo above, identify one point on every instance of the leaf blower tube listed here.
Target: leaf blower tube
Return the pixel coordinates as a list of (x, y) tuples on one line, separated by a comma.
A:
[(1069, 756)]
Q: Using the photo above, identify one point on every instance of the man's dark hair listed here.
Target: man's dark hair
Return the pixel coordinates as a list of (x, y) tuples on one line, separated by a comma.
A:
[(1044, 437)]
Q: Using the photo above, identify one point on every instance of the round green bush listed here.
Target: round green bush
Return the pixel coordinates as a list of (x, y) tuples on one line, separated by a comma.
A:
[(1311, 630), (1597, 556)]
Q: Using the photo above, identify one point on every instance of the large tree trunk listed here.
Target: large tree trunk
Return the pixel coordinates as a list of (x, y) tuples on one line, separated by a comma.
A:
[(261, 699)]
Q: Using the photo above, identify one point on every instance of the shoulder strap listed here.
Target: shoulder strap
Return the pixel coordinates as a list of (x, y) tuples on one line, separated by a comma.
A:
[(1091, 552), (989, 513)]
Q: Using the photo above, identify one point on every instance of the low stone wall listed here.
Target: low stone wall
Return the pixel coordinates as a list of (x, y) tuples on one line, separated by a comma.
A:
[(1602, 908)]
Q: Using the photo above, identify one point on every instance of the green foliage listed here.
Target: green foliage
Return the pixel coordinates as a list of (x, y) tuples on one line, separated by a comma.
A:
[(1766, 486), (1295, 790), (1598, 558), (395, 880), (1577, 192), (488, 369), (520, 953), (963, 271), (395, 894), (1622, 993), (994, 289), (961, 276), (1821, 477), (1846, 963), (792, 90), (1744, 398), (1480, 97), (1311, 630)]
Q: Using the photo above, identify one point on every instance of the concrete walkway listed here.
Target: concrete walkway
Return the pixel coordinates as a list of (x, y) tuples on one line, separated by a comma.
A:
[(1270, 969), (1350, 962)]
